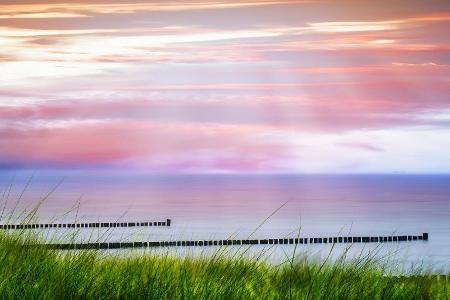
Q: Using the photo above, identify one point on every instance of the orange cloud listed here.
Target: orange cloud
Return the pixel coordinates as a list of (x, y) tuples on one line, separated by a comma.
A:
[(42, 15), (69, 10)]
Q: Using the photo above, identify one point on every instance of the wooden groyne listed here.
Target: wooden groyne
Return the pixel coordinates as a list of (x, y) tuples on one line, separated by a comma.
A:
[(231, 242), (166, 223)]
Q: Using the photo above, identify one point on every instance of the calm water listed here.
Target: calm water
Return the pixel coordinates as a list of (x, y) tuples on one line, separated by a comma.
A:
[(218, 206)]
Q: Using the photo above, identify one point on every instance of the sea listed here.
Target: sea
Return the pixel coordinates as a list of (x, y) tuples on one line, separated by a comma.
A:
[(221, 206)]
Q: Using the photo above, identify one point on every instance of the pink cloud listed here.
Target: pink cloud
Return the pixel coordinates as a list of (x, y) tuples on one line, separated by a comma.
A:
[(316, 107), (143, 144)]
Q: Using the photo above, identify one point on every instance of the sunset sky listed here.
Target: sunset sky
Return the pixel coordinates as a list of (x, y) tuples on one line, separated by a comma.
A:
[(251, 86)]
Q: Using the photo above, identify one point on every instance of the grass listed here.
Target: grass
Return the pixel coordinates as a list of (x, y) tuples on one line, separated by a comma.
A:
[(29, 272)]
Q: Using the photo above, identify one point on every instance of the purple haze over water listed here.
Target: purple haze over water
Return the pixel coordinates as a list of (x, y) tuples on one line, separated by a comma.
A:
[(217, 206)]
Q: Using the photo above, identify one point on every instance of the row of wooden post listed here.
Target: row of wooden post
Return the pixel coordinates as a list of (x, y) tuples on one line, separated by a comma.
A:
[(230, 242), (432, 276), (86, 225)]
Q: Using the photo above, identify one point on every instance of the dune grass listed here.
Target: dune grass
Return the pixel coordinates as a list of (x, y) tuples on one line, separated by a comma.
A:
[(30, 272)]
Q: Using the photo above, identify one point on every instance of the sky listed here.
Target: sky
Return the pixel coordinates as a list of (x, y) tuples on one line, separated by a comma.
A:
[(251, 86)]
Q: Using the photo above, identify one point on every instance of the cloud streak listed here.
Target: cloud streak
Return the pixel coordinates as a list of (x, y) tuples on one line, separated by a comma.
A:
[(70, 10)]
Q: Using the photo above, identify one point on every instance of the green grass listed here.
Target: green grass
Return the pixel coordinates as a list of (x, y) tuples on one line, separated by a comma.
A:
[(31, 272), (28, 272)]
